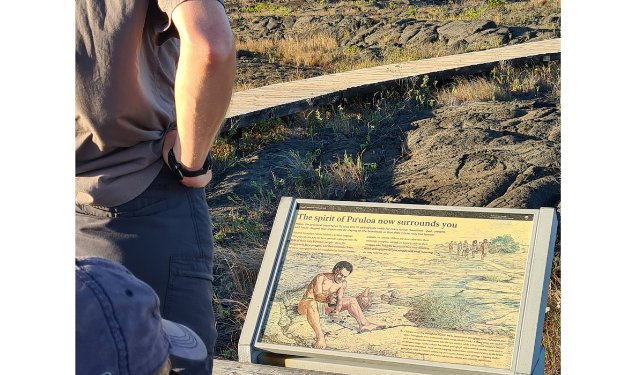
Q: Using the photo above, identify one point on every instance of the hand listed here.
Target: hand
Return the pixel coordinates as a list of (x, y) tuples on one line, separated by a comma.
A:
[(172, 139)]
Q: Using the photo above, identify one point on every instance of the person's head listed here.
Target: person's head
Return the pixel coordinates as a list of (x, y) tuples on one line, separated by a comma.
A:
[(341, 270), (119, 329)]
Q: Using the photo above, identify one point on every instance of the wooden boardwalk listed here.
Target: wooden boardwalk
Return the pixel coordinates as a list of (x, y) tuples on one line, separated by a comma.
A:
[(286, 98), (221, 367)]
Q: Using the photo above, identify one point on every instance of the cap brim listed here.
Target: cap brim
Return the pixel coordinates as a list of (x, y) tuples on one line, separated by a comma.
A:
[(184, 343)]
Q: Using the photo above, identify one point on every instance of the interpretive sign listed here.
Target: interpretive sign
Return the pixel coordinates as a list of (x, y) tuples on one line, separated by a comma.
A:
[(404, 287)]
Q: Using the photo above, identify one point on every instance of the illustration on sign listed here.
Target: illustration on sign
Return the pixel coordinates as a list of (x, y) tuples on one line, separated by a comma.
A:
[(438, 286), (325, 296)]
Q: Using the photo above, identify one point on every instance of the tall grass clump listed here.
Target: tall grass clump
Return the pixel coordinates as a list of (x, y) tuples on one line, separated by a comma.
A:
[(317, 50), (552, 327), (504, 83), (236, 270), (305, 177)]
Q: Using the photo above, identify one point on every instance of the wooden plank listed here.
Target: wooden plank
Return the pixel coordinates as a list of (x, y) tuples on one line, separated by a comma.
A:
[(282, 99), (221, 367)]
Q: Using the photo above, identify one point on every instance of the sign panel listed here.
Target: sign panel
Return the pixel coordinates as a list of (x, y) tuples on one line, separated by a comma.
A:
[(411, 284)]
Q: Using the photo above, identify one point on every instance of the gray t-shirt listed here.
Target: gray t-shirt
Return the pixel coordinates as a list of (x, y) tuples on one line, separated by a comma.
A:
[(126, 57)]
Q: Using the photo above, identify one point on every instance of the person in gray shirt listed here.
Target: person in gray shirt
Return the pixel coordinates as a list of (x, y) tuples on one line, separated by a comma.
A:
[(154, 80)]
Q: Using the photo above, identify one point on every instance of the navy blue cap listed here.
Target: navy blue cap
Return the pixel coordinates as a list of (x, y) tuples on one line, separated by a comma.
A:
[(119, 330)]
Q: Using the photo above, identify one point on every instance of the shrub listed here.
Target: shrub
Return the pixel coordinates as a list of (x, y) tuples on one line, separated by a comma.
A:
[(505, 244)]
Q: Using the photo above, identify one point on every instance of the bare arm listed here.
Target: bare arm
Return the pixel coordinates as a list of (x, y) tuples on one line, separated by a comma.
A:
[(339, 298), (318, 289), (204, 82)]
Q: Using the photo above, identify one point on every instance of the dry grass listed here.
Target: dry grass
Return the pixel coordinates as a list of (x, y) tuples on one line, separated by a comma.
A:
[(268, 8), (346, 178), (351, 58), (466, 90), (552, 328), (236, 269), (504, 83), (227, 151), (322, 51), (247, 83), (318, 50), (518, 13), (224, 155), (544, 3)]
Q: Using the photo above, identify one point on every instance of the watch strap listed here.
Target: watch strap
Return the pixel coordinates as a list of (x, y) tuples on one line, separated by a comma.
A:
[(180, 172)]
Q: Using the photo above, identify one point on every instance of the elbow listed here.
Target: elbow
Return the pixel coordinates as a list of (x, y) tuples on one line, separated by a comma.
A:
[(205, 33), (224, 53), (214, 50)]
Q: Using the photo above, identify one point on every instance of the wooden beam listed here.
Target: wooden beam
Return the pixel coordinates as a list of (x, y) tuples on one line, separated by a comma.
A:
[(221, 367)]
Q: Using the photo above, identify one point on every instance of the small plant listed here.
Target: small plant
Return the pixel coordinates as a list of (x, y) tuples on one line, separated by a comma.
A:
[(237, 225), (350, 50), (301, 176), (496, 3), (422, 93), (313, 121), (347, 178), (269, 8), (261, 133), (360, 4), (246, 221), (224, 155), (264, 198), (341, 122), (230, 354), (393, 4), (370, 167), (370, 134), (474, 13)]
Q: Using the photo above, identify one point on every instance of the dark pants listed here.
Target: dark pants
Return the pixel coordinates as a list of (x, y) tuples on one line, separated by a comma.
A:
[(164, 237)]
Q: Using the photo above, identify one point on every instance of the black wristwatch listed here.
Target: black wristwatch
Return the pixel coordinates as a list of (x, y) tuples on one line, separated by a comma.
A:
[(178, 170)]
